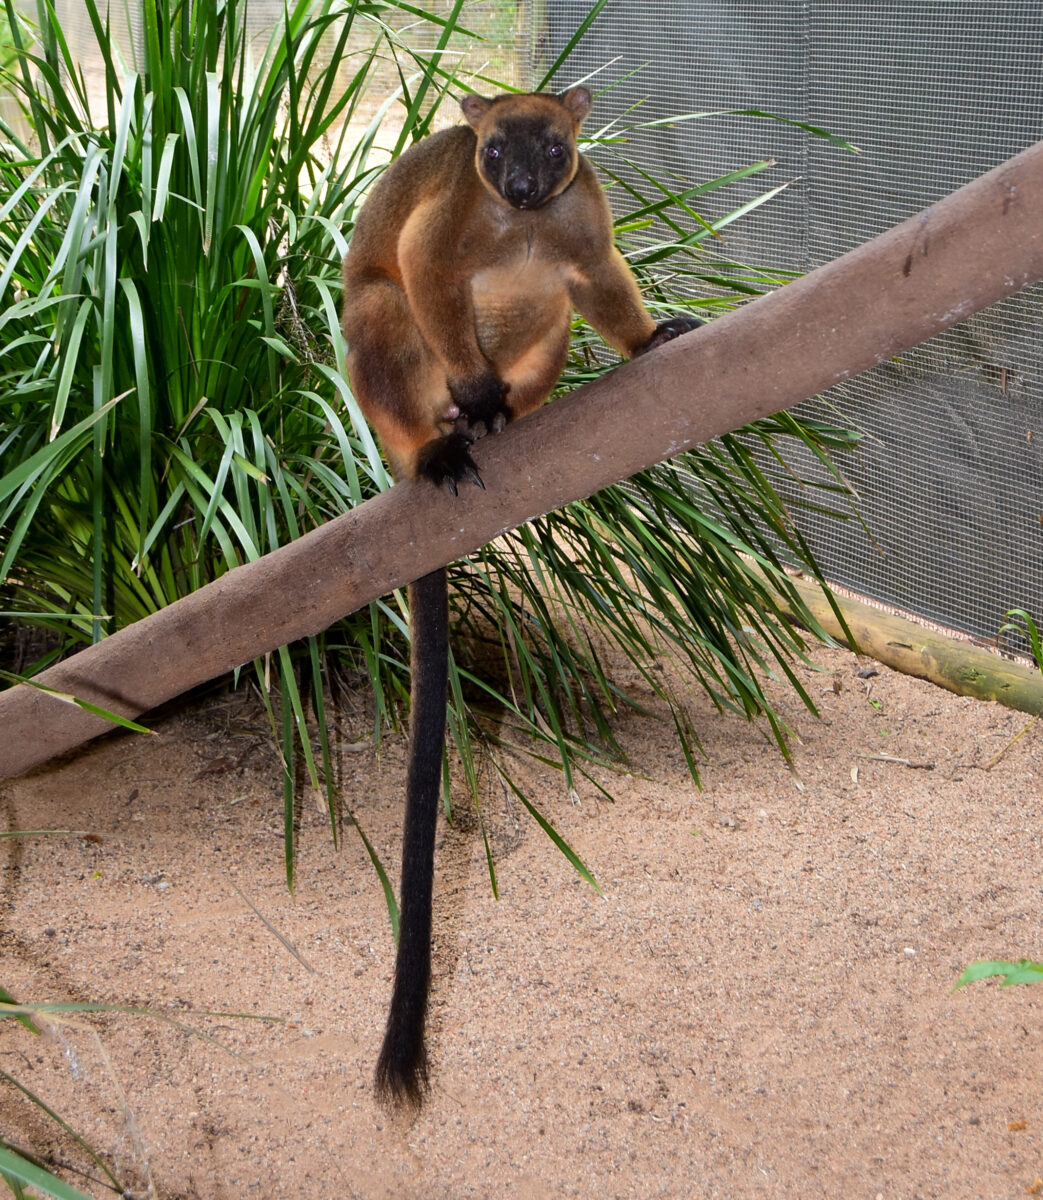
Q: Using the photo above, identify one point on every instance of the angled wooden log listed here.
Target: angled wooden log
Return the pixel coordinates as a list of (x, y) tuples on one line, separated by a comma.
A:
[(976, 246), (909, 647)]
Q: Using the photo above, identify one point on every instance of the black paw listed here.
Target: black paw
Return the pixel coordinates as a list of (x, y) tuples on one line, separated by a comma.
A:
[(666, 331), (447, 461), (482, 402)]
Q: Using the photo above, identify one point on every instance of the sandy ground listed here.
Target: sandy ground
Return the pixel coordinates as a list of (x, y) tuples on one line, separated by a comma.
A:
[(758, 1006)]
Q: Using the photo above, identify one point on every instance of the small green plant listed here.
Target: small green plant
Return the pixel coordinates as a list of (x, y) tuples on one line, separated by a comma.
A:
[(1020, 622), (1010, 973), (18, 1166)]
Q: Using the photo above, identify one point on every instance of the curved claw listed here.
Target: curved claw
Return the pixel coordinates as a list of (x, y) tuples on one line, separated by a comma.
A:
[(447, 460), (471, 473)]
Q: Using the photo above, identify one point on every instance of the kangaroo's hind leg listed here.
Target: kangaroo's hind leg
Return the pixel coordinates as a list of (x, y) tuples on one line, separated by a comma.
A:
[(401, 386)]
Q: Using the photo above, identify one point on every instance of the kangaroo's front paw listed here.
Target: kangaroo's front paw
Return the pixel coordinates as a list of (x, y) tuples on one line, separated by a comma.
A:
[(666, 331)]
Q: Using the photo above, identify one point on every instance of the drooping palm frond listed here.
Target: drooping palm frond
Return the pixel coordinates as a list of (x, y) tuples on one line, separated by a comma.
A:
[(170, 353), (176, 401)]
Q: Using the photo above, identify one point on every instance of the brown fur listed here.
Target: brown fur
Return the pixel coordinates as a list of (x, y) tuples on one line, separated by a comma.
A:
[(446, 283)]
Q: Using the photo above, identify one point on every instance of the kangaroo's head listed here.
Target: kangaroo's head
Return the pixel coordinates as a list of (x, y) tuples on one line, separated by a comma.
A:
[(526, 151)]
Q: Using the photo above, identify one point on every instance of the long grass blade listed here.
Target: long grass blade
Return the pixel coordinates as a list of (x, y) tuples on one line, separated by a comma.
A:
[(15, 1169)]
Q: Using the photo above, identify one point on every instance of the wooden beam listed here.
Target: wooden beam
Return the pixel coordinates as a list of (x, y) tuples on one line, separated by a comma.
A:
[(971, 249), (913, 649)]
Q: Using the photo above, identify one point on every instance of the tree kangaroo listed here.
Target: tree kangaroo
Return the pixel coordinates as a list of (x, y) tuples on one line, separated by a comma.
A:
[(464, 268)]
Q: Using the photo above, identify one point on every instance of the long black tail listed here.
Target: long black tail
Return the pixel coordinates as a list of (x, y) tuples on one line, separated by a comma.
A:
[(402, 1066)]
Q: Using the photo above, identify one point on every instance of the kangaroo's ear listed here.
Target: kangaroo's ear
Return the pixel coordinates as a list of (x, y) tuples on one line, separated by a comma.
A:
[(578, 102), (474, 108)]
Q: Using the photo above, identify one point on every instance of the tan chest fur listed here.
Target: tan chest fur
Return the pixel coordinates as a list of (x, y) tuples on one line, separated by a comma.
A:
[(517, 305)]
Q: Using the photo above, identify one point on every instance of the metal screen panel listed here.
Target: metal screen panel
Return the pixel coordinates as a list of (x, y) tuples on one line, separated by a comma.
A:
[(950, 474)]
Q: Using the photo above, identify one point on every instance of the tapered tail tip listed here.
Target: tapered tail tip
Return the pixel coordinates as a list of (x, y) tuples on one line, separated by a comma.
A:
[(400, 1084)]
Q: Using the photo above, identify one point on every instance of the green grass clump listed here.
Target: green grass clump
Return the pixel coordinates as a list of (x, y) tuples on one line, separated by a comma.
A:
[(175, 400)]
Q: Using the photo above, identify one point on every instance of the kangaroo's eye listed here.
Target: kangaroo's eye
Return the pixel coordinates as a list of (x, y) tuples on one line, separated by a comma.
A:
[(556, 151), (492, 152)]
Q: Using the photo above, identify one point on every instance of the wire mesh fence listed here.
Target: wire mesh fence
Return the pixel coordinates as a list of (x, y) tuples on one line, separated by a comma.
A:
[(948, 476)]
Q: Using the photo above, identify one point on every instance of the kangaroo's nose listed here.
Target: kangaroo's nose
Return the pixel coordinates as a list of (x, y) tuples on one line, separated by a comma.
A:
[(521, 187)]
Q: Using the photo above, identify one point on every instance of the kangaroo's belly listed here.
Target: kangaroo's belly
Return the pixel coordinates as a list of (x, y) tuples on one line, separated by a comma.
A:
[(517, 307)]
